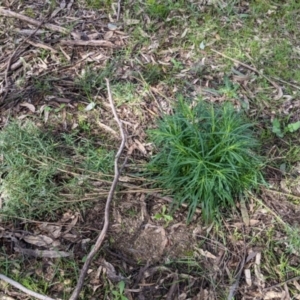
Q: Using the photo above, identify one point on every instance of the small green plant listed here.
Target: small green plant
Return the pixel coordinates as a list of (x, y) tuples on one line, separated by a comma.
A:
[(206, 157), (152, 73), (43, 86), (119, 294), (280, 130), (229, 90), (293, 241), (157, 9), (163, 216)]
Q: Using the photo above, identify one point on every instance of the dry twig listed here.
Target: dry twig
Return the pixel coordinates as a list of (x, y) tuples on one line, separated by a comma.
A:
[(119, 10), (12, 14), (278, 88), (101, 237), (281, 283), (23, 288), (93, 43)]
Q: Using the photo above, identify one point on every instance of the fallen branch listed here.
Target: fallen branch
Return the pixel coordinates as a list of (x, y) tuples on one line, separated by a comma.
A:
[(23, 288), (41, 45), (103, 232), (12, 14)]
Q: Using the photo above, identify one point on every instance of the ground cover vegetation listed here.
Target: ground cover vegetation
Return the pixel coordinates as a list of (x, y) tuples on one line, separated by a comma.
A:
[(207, 205), (205, 157)]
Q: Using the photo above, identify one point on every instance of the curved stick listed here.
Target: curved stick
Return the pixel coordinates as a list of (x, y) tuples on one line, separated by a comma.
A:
[(101, 237)]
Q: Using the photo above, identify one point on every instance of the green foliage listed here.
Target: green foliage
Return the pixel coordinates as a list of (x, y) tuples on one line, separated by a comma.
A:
[(37, 171), (293, 240), (206, 157), (91, 81), (152, 73), (119, 294), (277, 127), (98, 4), (164, 216), (157, 9)]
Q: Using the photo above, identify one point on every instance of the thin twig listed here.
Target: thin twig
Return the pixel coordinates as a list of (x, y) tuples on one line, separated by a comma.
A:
[(102, 235), (284, 194), (278, 88), (92, 43), (12, 14), (233, 288), (174, 287), (23, 288), (286, 82), (281, 284), (119, 10)]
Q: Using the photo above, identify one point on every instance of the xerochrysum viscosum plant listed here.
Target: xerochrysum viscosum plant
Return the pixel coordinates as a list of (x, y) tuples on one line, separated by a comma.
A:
[(205, 156)]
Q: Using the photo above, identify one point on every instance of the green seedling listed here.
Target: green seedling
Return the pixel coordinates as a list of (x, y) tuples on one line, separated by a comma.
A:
[(164, 216), (229, 90), (177, 65), (206, 157), (119, 294), (280, 132)]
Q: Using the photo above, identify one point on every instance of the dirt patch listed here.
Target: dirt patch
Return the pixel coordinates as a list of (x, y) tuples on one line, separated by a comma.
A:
[(144, 239)]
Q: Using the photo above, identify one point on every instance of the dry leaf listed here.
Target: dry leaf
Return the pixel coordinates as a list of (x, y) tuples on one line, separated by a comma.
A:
[(70, 237), (108, 129), (38, 240), (206, 253), (29, 106), (296, 284), (258, 274), (111, 272), (253, 222), (112, 26), (131, 22), (53, 230), (274, 295), (42, 253), (108, 35), (21, 117), (251, 255), (140, 147), (248, 277), (74, 220), (66, 217), (90, 106)]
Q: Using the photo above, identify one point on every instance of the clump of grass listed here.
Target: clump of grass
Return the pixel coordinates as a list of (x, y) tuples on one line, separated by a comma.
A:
[(206, 157), (43, 176), (157, 9)]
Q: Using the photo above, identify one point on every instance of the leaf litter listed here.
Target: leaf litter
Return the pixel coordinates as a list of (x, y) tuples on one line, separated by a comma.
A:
[(155, 259)]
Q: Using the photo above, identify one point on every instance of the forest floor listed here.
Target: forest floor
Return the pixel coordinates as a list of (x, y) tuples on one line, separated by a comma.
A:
[(54, 58)]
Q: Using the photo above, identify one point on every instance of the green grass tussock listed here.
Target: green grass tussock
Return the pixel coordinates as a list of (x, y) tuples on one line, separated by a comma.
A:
[(206, 157), (39, 172)]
